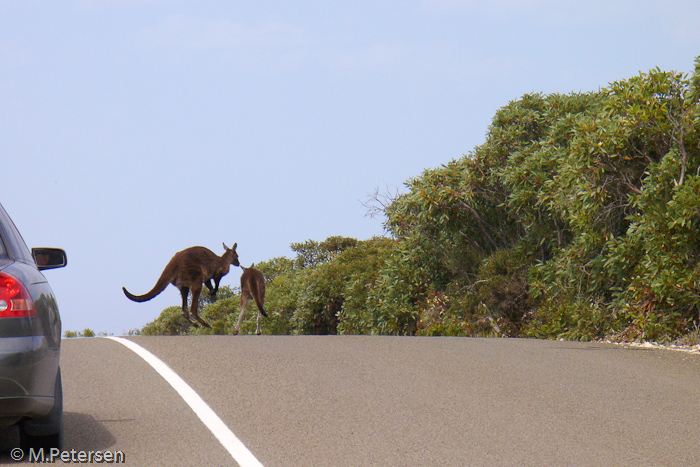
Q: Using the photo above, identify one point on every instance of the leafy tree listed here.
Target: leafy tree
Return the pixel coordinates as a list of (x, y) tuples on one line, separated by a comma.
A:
[(312, 253), (594, 196), (334, 294), (170, 322)]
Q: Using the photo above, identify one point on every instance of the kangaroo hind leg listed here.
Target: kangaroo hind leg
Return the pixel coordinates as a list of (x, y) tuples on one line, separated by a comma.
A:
[(244, 301), (258, 331), (184, 291), (195, 304)]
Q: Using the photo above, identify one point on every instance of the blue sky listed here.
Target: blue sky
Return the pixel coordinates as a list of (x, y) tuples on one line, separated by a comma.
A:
[(132, 129)]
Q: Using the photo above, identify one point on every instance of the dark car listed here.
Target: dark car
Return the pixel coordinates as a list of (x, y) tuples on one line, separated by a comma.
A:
[(31, 394)]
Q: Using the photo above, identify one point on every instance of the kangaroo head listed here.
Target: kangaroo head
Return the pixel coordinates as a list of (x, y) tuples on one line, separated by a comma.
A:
[(230, 255)]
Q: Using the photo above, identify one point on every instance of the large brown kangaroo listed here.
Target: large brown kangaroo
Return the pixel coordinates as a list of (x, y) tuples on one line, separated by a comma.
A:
[(188, 270), (252, 286)]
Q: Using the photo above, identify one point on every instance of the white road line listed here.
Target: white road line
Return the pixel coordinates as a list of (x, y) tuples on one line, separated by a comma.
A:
[(233, 445)]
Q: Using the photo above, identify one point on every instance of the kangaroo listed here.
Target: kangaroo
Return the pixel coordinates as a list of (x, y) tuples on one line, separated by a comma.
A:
[(188, 270), (252, 286)]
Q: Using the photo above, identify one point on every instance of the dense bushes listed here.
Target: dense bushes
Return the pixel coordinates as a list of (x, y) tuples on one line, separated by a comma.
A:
[(577, 218)]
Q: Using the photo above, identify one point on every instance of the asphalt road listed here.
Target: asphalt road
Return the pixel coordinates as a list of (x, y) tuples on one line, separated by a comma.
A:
[(385, 401)]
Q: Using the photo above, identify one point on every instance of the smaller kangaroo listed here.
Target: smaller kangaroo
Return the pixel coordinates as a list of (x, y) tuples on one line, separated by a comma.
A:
[(252, 286), (188, 270)]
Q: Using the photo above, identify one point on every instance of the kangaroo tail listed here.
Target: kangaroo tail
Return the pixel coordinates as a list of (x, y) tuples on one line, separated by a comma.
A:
[(157, 289), (258, 301)]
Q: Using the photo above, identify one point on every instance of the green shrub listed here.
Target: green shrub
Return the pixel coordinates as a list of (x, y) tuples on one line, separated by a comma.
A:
[(571, 320), (171, 322)]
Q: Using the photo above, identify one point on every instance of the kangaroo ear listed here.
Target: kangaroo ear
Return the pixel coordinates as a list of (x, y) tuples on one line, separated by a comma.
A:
[(225, 247), (234, 246)]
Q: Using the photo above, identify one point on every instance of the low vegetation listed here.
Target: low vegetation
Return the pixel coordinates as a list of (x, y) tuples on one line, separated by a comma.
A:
[(87, 332), (578, 218)]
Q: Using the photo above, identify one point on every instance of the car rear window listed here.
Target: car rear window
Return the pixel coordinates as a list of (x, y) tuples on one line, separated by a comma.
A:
[(12, 240)]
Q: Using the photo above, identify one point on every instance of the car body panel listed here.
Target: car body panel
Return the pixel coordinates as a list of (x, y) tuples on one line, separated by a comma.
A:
[(29, 346), (25, 388)]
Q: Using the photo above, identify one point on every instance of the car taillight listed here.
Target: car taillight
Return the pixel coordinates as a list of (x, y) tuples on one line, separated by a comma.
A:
[(15, 301)]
